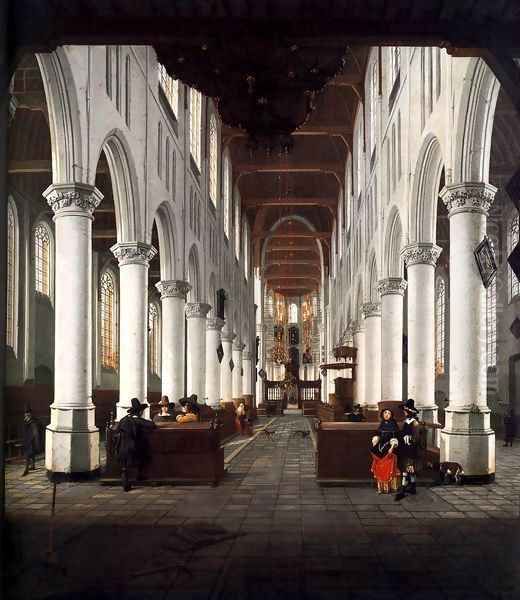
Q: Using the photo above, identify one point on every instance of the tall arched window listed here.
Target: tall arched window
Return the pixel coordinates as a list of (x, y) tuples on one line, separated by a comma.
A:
[(373, 104), (245, 237), (195, 125), (440, 327), (128, 89), (170, 88), (293, 313), (226, 192), (42, 259), (514, 284), (159, 149), (491, 322), (12, 275), (237, 225), (213, 160), (108, 318), (167, 167), (154, 339)]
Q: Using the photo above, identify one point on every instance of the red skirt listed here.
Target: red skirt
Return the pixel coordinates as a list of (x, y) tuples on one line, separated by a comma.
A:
[(384, 469)]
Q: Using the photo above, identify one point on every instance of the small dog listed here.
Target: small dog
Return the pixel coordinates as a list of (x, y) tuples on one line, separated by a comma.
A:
[(451, 472), (268, 433)]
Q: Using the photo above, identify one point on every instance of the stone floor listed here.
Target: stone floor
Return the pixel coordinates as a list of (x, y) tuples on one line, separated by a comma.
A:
[(268, 531)]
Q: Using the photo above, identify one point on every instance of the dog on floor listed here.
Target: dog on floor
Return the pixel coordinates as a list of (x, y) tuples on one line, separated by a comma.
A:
[(451, 472)]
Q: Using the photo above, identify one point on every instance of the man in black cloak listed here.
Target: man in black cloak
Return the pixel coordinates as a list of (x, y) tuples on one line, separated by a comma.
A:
[(131, 441), (408, 447), (32, 440)]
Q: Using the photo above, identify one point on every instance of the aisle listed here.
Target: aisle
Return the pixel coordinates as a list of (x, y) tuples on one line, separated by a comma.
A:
[(269, 531)]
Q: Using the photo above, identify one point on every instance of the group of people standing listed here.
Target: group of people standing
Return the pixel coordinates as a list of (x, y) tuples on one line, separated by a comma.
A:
[(394, 452)]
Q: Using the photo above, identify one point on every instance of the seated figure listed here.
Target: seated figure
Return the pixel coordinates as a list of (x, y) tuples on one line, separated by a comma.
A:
[(165, 415), (357, 415), (190, 411)]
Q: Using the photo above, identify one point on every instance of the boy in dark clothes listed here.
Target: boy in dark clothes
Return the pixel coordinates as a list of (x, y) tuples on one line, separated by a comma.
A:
[(32, 440)]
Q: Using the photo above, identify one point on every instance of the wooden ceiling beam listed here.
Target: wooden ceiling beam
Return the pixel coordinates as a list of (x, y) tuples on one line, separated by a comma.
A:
[(253, 202), (292, 166), (311, 235)]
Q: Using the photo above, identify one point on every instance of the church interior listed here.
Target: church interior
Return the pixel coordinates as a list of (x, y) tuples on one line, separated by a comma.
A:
[(261, 264)]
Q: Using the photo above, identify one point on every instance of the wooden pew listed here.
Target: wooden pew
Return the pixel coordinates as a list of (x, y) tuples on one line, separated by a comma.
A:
[(343, 453), (180, 453)]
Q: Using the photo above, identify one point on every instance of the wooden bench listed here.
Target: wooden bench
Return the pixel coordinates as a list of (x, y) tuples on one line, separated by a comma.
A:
[(180, 453), (343, 454)]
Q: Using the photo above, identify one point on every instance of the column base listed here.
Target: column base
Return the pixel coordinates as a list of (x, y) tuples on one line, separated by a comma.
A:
[(71, 454), (469, 441), (72, 442)]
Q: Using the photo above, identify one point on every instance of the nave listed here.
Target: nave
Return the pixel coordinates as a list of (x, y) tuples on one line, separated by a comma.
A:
[(268, 531)]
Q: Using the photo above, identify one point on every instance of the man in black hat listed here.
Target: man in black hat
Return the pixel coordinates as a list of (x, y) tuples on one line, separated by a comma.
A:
[(408, 450), (32, 440), (131, 442)]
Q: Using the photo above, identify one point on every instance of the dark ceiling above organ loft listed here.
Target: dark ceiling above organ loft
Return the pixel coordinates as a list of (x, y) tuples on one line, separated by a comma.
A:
[(270, 67)]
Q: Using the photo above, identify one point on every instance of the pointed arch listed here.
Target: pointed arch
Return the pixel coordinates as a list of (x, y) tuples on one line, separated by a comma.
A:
[(63, 111), (212, 293), (475, 123), (373, 278), (124, 183), (167, 234), (194, 274), (425, 191), (393, 266)]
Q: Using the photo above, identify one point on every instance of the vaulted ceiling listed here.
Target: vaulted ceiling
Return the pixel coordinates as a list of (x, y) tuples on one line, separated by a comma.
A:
[(287, 79)]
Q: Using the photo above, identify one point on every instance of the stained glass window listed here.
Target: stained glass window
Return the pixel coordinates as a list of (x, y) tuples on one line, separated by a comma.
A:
[(42, 243), (108, 314), (514, 284), (491, 322), (12, 264), (153, 339), (213, 159), (170, 88), (440, 327), (195, 125)]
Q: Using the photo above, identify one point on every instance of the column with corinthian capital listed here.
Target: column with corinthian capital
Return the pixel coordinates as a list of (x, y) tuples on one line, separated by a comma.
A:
[(247, 380), (72, 439), (173, 299), (196, 319), (226, 375), (372, 368), (467, 437), (238, 347), (213, 328), (392, 294), (134, 259), (420, 259), (358, 335)]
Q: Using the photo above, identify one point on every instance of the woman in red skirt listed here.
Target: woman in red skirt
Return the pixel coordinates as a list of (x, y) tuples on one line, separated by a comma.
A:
[(384, 455)]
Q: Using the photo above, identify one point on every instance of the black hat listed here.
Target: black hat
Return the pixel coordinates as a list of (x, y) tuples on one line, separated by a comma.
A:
[(137, 407), (182, 401), (409, 406)]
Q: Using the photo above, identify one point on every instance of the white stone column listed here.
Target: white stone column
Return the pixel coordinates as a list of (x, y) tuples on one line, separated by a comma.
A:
[(173, 300), (72, 439), (358, 332), (247, 366), (421, 259), (226, 375), (392, 293), (467, 437), (237, 370), (213, 328), (134, 259), (372, 369), (196, 320)]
